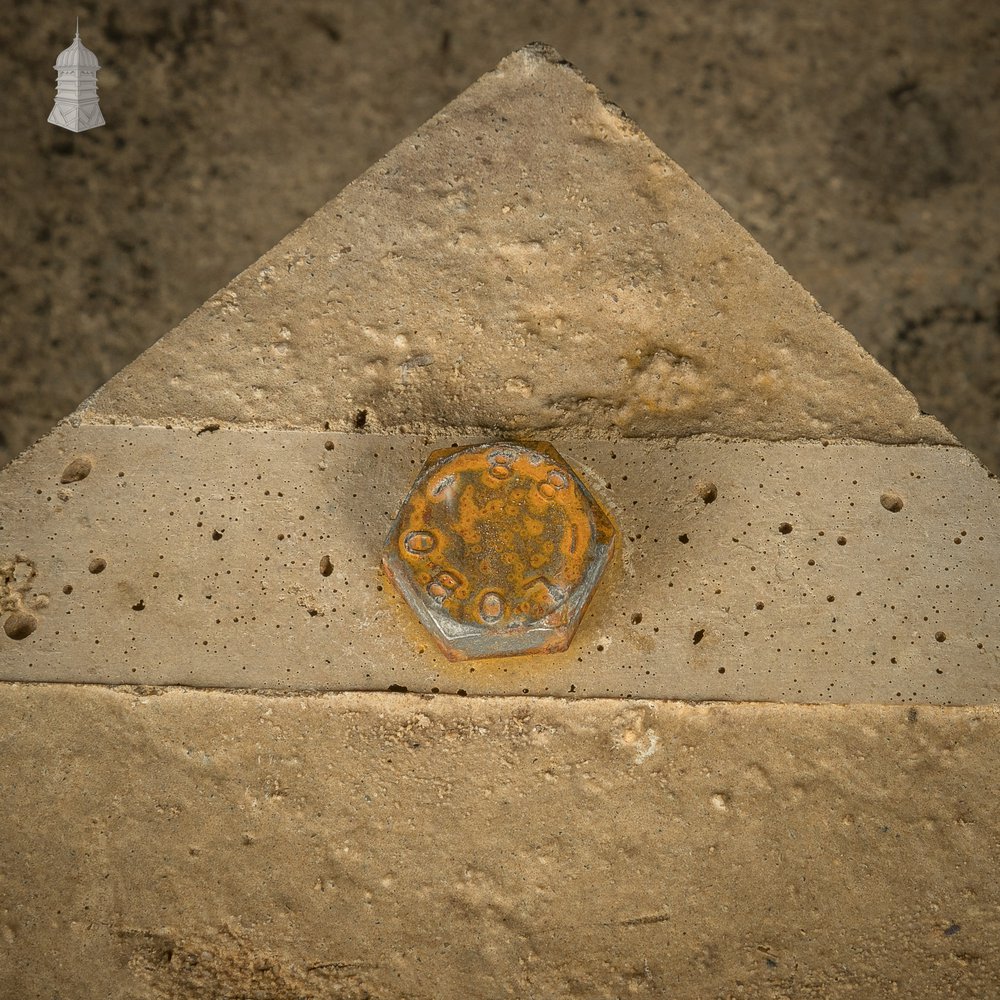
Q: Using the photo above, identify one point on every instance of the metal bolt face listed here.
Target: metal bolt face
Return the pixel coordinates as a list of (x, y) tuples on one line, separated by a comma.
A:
[(498, 548)]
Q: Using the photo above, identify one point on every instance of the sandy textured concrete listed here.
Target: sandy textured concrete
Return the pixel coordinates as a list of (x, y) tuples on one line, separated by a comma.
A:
[(171, 844), (251, 559), (850, 138), (526, 237), (185, 845)]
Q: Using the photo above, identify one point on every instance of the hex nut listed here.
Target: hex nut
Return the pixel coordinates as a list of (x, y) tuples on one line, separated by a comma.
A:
[(498, 549)]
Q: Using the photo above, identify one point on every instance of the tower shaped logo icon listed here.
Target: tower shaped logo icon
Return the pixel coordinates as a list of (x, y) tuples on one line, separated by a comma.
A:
[(76, 106)]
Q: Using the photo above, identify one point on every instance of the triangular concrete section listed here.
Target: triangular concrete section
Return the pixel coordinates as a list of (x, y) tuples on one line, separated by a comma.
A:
[(526, 261), (596, 846), (790, 527)]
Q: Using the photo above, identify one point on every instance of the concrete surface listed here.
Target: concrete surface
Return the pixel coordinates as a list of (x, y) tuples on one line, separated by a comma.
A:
[(475, 279), (185, 845), (250, 559), (174, 843), (852, 140)]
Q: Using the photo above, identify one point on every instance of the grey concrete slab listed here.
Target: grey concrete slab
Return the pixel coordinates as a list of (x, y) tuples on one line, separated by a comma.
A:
[(771, 571)]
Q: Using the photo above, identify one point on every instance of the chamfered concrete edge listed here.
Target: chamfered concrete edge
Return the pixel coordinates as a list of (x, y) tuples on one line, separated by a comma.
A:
[(924, 428)]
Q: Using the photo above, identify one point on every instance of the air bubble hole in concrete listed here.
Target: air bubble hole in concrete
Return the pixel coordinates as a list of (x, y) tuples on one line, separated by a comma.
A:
[(78, 469), (892, 501), (97, 565), (20, 625)]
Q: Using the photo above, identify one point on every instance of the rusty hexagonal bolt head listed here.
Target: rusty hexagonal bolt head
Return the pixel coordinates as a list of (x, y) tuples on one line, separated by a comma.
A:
[(498, 549)]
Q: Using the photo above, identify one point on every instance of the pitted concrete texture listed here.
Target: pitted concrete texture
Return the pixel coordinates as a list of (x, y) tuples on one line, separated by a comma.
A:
[(768, 571), (476, 279), (217, 845), (792, 528)]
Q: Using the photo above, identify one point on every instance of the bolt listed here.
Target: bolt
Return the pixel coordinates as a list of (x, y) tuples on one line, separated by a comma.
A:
[(498, 549)]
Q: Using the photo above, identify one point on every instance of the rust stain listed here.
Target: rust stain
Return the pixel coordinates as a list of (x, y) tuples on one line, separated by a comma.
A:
[(498, 549)]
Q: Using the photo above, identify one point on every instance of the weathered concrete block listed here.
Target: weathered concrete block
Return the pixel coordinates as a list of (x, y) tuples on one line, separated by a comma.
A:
[(792, 531), (745, 570)]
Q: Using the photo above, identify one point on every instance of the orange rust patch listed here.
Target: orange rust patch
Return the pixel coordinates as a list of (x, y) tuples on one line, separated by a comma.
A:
[(498, 549)]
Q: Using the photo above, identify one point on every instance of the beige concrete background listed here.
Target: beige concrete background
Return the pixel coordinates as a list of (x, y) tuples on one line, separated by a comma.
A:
[(186, 845), (852, 141), (476, 278), (250, 559)]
